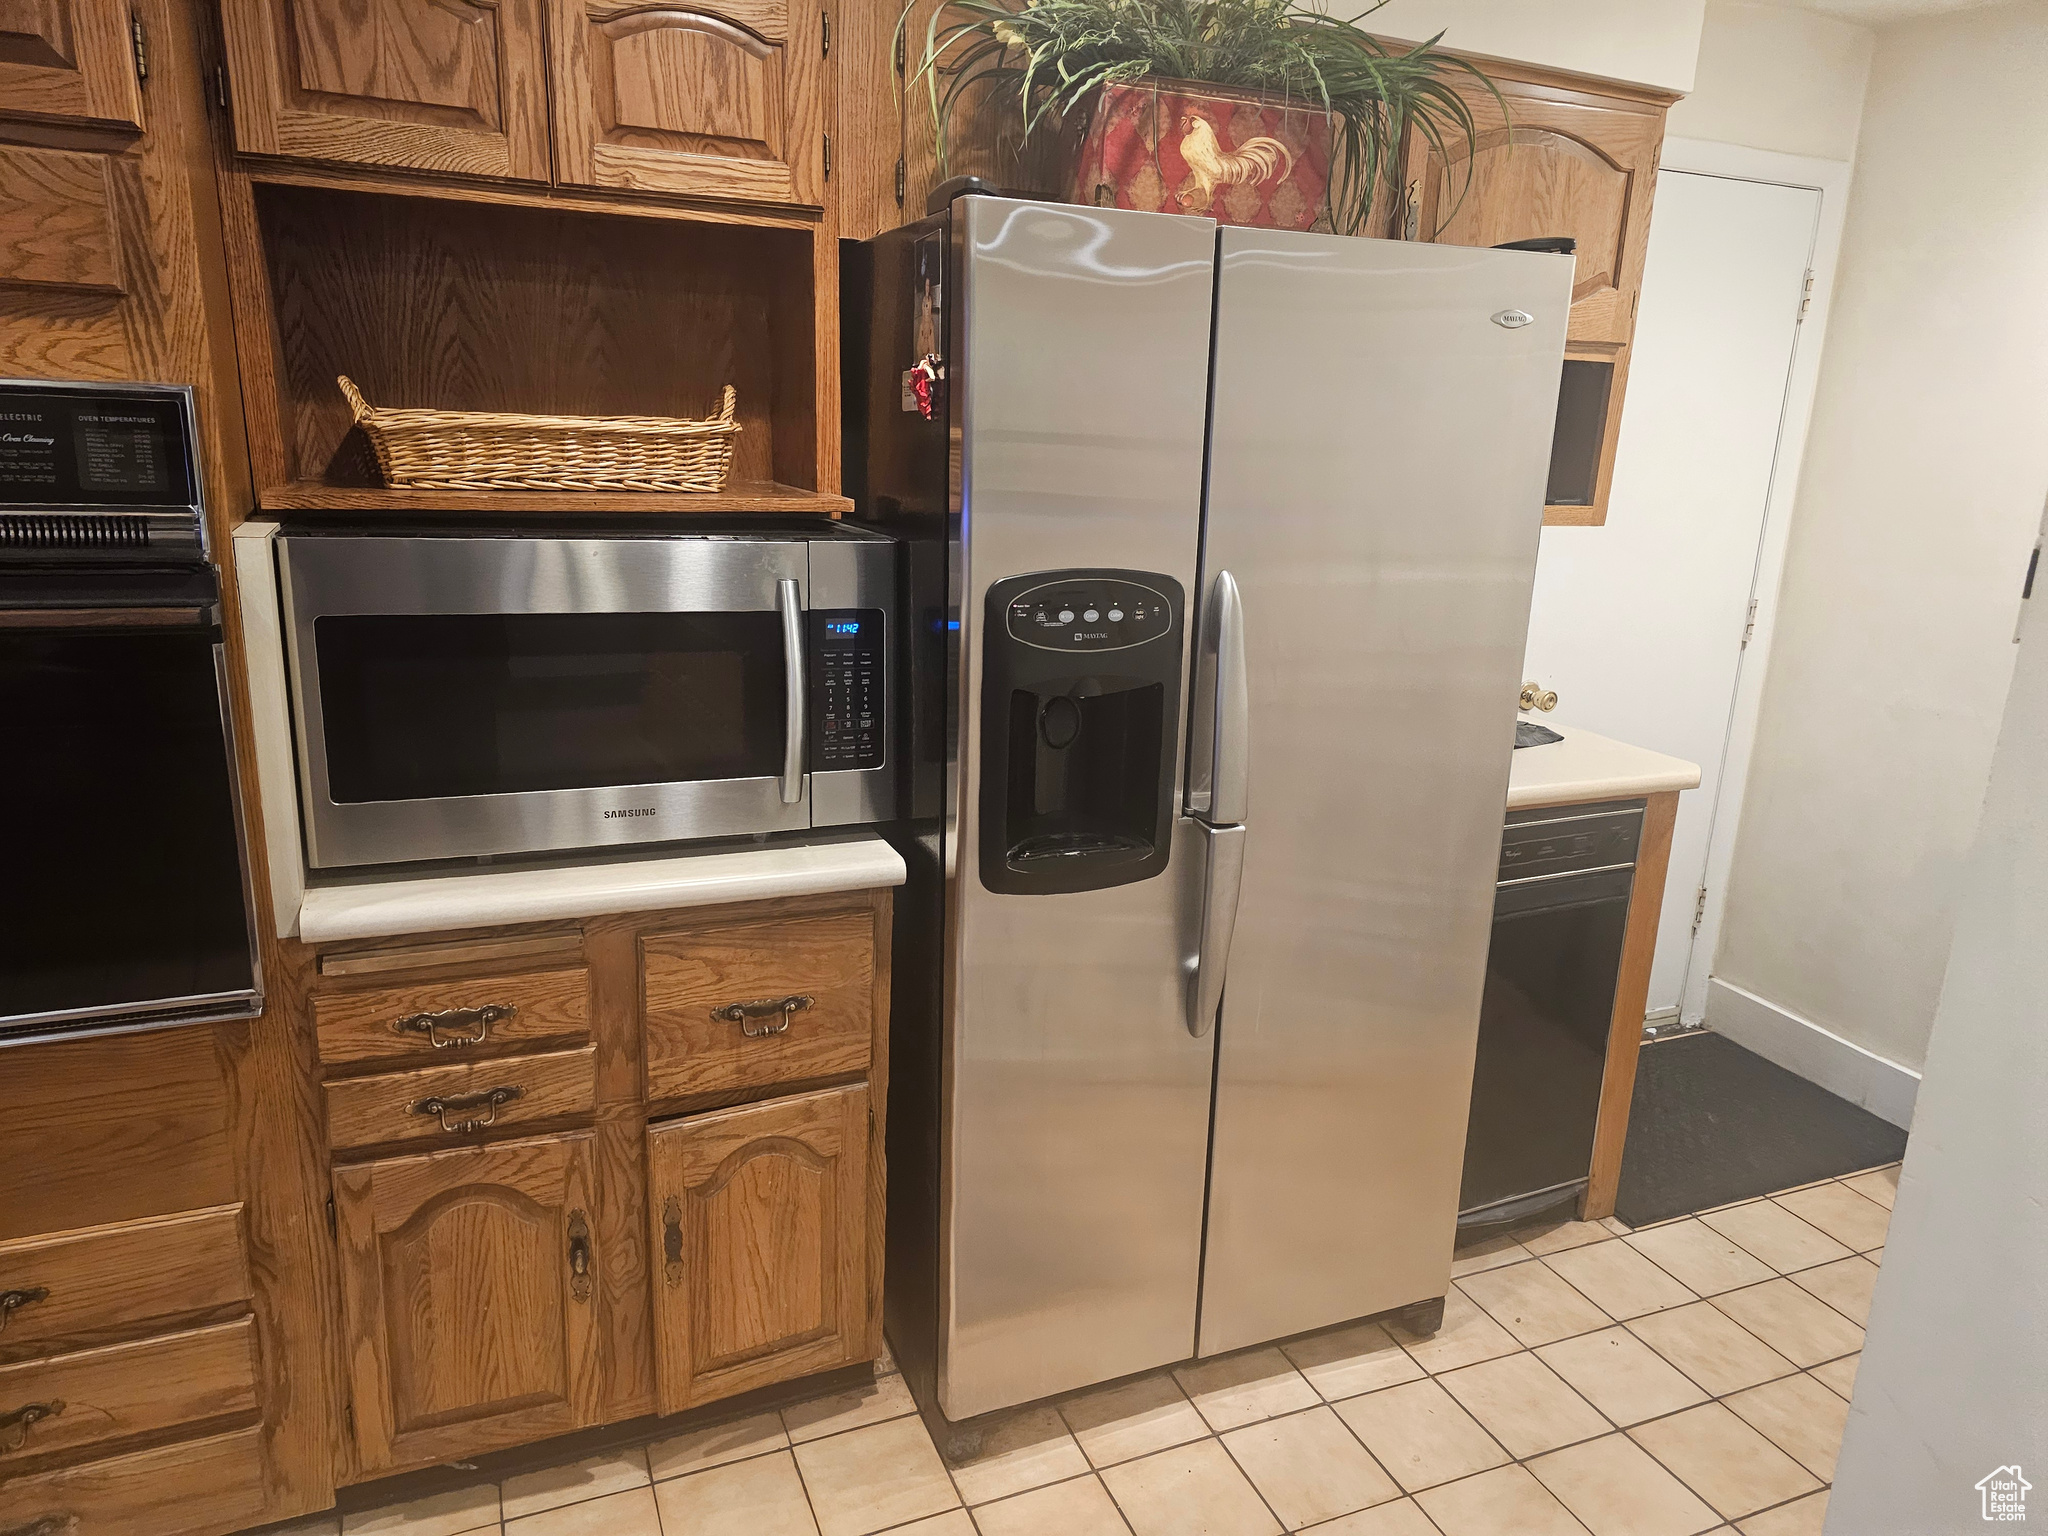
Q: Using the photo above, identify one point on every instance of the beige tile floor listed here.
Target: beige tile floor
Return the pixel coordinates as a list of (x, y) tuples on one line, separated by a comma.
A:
[(1588, 1381)]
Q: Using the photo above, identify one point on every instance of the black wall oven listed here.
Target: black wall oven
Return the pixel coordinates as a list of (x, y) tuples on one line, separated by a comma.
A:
[(467, 692), (126, 900)]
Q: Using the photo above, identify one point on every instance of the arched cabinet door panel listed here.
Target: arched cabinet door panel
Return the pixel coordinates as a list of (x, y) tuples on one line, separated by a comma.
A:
[(759, 1221), (454, 86), (69, 61), (719, 99), (1565, 162), (472, 1298)]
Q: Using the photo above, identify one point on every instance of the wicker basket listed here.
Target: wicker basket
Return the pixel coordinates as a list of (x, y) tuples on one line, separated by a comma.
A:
[(506, 450)]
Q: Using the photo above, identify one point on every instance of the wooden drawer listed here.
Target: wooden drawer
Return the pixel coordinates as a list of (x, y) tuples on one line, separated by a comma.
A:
[(95, 1397), (439, 1021), (439, 1103), (182, 1489), (691, 982), (75, 1288)]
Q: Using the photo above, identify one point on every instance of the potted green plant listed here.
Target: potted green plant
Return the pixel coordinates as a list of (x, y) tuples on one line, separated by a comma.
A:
[(1262, 112)]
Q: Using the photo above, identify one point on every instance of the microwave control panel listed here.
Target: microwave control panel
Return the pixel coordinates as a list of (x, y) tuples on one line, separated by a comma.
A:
[(848, 677)]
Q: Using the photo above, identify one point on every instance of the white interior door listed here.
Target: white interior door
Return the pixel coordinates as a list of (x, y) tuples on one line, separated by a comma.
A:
[(1638, 625)]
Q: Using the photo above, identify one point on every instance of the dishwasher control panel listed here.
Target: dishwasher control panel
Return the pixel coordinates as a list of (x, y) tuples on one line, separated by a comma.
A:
[(1558, 840)]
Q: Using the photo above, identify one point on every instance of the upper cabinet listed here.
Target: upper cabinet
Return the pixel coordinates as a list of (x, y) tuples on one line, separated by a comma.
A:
[(1567, 158), (69, 61), (457, 86), (1564, 162), (724, 100)]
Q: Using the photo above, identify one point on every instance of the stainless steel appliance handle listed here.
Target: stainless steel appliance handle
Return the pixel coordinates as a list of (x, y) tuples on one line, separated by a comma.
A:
[(790, 603), (1223, 850), (1230, 771)]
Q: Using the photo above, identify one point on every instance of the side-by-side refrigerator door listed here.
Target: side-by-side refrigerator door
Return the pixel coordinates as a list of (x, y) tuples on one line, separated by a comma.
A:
[(1077, 1126), (1380, 427)]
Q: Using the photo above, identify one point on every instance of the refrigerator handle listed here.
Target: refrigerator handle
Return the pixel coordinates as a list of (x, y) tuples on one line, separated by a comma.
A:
[(1230, 761), (1223, 849), (796, 700)]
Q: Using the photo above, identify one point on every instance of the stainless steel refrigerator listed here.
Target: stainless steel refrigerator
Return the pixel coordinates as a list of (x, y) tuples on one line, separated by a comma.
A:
[(1217, 545)]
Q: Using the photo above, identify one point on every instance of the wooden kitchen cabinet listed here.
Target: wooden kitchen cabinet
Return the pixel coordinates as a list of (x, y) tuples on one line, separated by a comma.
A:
[(1567, 158), (70, 61), (472, 1298), (455, 86), (723, 100), (760, 1227)]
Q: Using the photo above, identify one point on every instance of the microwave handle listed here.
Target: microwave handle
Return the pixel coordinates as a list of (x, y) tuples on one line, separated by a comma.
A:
[(789, 602)]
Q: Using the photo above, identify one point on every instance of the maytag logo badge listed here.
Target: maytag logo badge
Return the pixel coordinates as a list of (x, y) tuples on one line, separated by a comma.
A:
[(631, 810)]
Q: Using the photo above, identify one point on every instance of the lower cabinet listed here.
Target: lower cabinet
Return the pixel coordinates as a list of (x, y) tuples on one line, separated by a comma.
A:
[(760, 1244), (472, 1303)]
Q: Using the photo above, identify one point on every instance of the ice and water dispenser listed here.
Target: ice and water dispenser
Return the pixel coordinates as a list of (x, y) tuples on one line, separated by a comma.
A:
[(1080, 697)]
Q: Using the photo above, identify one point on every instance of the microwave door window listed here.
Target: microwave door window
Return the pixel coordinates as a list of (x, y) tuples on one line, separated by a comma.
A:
[(431, 706)]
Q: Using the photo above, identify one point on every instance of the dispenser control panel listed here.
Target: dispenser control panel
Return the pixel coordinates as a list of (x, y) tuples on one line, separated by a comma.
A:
[(847, 681), (1089, 614)]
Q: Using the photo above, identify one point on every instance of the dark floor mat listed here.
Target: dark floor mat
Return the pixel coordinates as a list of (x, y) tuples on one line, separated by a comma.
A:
[(1713, 1123)]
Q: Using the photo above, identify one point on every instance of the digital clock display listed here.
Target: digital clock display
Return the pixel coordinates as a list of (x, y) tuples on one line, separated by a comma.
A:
[(843, 627)]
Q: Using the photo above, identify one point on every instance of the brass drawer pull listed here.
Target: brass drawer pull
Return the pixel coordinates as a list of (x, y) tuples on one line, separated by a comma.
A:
[(778, 1008), (14, 1427), (475, 1022), (12, 1301), (473, 1111)]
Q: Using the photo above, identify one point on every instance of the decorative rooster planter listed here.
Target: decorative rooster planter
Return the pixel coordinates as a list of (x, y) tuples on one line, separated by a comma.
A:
[(1260, 112), (1176, 146)]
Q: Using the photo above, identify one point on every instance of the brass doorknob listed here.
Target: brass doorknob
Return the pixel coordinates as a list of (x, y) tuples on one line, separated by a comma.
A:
[(1536, 696)]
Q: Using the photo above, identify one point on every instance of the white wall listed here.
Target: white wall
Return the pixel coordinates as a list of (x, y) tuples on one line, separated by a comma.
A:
[(1920, 495), (1636, 588), (1949, 1387), (1777, 79), (1645, 42)]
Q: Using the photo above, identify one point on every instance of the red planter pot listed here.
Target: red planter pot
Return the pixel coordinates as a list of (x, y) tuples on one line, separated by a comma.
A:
[(1180, 146)]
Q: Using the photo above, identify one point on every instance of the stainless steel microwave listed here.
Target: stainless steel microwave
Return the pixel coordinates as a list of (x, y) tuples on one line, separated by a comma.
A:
[(465, 692)]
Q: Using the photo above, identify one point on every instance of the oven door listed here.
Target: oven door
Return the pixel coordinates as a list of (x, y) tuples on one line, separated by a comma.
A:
[(467, 696), (126, 900)]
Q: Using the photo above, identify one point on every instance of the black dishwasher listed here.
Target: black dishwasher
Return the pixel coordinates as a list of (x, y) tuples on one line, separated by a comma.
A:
[(1560, 912)]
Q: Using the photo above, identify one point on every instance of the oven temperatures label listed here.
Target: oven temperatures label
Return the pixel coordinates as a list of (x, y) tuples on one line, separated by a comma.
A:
[(119, 453), (28, 449)]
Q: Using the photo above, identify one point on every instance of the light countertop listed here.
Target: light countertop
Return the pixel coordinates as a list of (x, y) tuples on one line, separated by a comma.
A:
[(387, 905), (1587, 766)]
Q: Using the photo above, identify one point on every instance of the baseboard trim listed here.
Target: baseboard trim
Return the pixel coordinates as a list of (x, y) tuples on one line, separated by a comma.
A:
[(1817, 1054)]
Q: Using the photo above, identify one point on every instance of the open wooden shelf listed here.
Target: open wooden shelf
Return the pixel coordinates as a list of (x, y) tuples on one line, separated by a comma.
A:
[(738, 496), (553, 310)]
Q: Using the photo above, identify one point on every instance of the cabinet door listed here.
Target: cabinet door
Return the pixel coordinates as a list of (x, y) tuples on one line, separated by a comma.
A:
[(69, 59), (725, 99), (471, 1298), (439, 85), (1565, 162), (760, 1244)]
